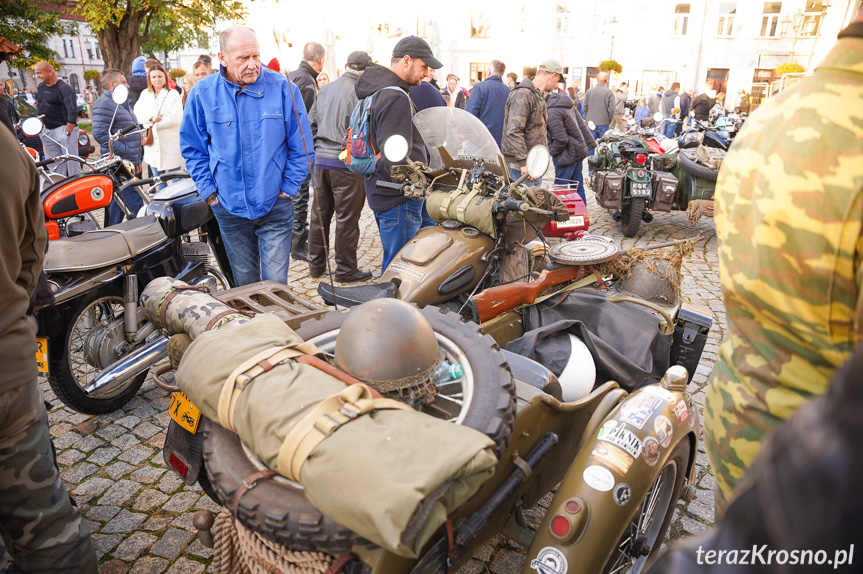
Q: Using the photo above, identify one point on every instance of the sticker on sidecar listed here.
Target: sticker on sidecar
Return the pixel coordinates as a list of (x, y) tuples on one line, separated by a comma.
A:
[(409, 270), (681, 412), (612, 457), (664, 430), (598, 478), (550, 560), (622, 437), (621, 494), (651, 450), (659, 393), (638, 409)]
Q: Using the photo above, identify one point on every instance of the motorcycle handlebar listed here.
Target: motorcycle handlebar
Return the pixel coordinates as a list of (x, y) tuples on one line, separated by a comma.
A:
[(170, 176), (510, 204), (388, 185), (140, 182), (127, 129), (44, 162)]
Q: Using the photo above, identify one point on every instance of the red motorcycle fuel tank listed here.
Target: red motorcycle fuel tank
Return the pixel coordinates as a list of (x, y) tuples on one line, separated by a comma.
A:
[(78, 194)]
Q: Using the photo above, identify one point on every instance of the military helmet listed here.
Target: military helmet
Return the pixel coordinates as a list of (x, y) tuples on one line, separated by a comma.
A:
[(388, 344)]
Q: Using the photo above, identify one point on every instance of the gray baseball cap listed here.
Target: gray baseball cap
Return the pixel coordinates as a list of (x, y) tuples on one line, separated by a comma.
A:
[(358, 61), (416, 48)]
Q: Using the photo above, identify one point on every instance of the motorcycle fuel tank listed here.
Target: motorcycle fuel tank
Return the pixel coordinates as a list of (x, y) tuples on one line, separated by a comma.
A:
[(439, 263), (78, 194), (579, 220)]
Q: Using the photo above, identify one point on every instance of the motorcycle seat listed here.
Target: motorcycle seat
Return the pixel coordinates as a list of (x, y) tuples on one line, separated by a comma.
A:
[(104, 247), (356, 295), (532, 373)]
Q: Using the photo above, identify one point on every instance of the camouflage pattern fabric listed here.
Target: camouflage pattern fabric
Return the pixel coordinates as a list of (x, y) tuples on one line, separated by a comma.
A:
[(41, 529), (524, 123), (789, 220)]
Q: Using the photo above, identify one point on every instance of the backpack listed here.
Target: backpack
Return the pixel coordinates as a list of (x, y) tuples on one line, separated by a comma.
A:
[(358, 153)]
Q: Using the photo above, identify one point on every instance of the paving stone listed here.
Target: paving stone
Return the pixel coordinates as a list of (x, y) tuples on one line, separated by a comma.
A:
[(157, 441), (148, 499), (507, 562), (86, 428), (67, 440), (207, 503), (144, 411), (145, 430), (124, 441), (137, 400), (163, 419), (69, 457), (136, 454), (132, 547), (692, 526), (58, 430), (102, 513), (113, 567), (170, 482), (186, 566), (149, 565), (90, 488), (472, 567), (77, 473), (485, 553), (158, 522), (148, 474), (77, 418), (171, 543), (125, 522), (120, 492), (104, 543), (199, 550), (181, 502), (104, 455), (708, 482), (110, 432), (129, 421), (58, 415), (703, 506), (119, 469), (88, 443)]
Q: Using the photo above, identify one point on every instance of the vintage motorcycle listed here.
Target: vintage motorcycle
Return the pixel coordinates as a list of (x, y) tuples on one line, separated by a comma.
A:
[(486, 220), (94, 344)]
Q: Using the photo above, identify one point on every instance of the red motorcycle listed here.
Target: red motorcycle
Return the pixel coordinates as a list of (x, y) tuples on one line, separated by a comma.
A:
[(579, 220)]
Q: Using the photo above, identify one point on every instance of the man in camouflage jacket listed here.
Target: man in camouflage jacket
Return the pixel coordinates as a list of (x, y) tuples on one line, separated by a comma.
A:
[(789, 221), (526, 116)]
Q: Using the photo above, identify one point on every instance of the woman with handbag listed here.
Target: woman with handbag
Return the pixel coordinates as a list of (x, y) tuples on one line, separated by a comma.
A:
[(160, 111)]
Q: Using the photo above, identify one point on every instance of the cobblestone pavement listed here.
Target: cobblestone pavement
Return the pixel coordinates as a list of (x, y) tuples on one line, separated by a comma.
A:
[(141, 513)]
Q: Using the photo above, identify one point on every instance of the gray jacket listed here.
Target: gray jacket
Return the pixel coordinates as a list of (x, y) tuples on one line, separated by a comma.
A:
[(331, 114), (599, 105)]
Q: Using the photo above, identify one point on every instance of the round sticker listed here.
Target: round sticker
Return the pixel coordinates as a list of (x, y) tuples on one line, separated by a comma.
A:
[(610, 424), (651, 451), (550, 560), (622, 494), (664, 430), (598, 478)]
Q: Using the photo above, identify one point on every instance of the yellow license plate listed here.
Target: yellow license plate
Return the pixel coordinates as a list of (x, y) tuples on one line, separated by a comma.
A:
[(184, 412), (42, 354)]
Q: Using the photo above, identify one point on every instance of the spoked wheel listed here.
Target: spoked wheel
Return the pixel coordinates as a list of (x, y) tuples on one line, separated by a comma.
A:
[(483, 398), (639, 545), (78, 366)]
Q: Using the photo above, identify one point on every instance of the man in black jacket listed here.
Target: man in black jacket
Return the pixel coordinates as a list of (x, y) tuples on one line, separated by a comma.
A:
[(306, 79), (337, 190), (398, 217), (58, 105)]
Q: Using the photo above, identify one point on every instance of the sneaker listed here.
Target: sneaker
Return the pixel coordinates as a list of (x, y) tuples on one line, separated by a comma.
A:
[(360, 275)]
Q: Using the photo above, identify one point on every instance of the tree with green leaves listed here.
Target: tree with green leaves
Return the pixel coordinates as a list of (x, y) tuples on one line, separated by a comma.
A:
[(125, 27), (29, 24)]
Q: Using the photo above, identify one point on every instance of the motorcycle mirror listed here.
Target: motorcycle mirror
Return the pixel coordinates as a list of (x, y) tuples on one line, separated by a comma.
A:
[(396, 148), (120, 94), (9, 86), (32, 126), (657, 117), (537, 161), (591, 126)]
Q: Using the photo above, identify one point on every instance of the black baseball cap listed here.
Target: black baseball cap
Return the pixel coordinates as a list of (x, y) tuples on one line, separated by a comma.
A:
[(416, 48), (359, 61)]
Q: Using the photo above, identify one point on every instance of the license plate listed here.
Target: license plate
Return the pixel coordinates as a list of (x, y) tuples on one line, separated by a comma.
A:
[(184, 412), (574, 221), (42, 354), (640, 189)]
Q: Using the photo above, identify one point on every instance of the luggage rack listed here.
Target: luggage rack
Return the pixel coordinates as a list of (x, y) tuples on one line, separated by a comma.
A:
[(273, 298)]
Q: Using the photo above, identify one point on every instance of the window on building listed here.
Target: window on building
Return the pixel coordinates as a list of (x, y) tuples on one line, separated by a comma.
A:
[(652, 79), (575, 78), (681, 19), (98, 51), (480, 25), (563, 18), (727, 10), (71, 49), (592, 73), (73, 80), (812, 19), (770, 19), (65, 49), (477, 72)]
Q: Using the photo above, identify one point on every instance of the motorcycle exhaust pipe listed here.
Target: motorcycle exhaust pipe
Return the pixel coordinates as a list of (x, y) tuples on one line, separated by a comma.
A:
[(616, 215), (646, 216), (130, 306), (111, 379)]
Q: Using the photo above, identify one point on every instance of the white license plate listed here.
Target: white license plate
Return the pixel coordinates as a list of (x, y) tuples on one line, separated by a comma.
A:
[(639, 189), (574, 221)]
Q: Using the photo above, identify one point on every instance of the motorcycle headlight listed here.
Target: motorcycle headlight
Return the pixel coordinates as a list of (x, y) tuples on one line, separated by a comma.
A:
[(594, 162), (129, 166), (83, 139)]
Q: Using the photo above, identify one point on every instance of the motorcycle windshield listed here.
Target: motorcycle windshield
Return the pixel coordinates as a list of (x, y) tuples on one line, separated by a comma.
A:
[(461, 134)]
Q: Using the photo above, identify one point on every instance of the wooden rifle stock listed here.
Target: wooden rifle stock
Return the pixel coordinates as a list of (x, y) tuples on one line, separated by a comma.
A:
[(493, 301)]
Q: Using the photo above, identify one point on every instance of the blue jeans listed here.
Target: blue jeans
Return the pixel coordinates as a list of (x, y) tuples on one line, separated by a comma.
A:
[(133, 202), (569, 174), (514, 174), (598, 132), (427, 221), (258, 249), (397, 227), (668, 128)]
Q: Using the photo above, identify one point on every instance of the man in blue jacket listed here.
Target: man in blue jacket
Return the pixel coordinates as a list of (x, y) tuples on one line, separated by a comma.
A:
[(109, 118), (246, 140), (488, 99)]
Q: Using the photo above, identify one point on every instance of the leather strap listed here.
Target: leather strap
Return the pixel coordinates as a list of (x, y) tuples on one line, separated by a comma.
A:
[(342, 561), (462, 207), (214, 321), (248, 484), (173, 293), (246, 372), (447, 201), (323, 420)]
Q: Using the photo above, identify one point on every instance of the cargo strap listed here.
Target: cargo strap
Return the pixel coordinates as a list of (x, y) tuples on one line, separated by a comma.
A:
[(444, 205), (248, 484), (323, 420), (175, 290), (256, 365), (462, 207)]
